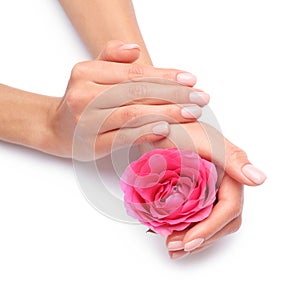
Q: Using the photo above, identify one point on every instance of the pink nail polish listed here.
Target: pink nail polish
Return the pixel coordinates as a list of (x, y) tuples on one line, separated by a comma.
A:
[(179, 255), (189, 246), (254, 174), (199, 98), (175, 245), (129, 46), (186, 79), (191, 112), (161, 129)]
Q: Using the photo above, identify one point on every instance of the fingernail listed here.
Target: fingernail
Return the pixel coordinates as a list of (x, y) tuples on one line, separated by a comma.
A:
[(186, 79), (191, 112), (129, 46), (161, 129), (254, 174), (200, 98), (175, 245), (189, 246), (179, 255)]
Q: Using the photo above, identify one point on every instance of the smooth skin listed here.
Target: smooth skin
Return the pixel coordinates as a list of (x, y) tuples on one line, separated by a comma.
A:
[(238, 169), (47, 123), (90, 79), (227, 214)]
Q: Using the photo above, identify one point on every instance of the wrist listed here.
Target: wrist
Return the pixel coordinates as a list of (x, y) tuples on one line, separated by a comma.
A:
[(24, 118), (46, 138)]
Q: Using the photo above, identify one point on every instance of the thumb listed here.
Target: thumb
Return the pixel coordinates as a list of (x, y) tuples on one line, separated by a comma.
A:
[(239, 168), (117, 51), (215, 147), (211, 145)]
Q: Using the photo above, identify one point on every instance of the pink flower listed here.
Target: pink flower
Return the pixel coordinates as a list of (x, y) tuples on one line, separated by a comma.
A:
[(169, 189)]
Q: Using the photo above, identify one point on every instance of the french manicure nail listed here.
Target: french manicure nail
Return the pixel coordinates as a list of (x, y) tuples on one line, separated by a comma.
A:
[(254, 174), (129, 46), (189, 246), (179, 255), (161, 129), (186, 79), (175, 245), (200, 98), (191, 112)]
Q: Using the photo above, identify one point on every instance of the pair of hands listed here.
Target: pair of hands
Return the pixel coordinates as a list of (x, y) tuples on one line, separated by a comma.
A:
[(123, 121)]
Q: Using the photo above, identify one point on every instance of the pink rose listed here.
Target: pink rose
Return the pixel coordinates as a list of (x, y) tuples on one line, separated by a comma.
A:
[(169, 189)]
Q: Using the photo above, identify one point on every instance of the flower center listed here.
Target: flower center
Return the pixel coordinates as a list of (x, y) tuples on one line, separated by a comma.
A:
[(175, 189)]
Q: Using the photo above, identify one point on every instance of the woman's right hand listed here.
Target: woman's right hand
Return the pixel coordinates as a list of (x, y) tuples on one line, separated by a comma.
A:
[(235, 170), (106, 119)]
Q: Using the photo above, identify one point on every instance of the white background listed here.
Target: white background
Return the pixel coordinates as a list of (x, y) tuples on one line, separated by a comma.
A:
[(53, 244)]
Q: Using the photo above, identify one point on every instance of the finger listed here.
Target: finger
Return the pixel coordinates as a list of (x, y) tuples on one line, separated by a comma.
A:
[(235, 160), (213, 146), (139, 115), (239, 167), (105, 72), (174, 242), (176, 255), (230, 228), (229, 207), (202, 248), (117, 51), (151, 93), (114, 140)]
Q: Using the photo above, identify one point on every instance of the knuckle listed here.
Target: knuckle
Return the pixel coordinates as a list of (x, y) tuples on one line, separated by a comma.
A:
[(74, 100), (237, 209), (169, 74), (72, 97), (144, 138), (121, 139), (139, 91), (237, 154), (236, 225), (135, 70), (111, 44), (172, 112), (79, 70), (130, 113), (107, 53)]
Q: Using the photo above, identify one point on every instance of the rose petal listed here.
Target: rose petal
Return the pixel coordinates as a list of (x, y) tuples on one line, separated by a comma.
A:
[(201, 215), (168, 189)]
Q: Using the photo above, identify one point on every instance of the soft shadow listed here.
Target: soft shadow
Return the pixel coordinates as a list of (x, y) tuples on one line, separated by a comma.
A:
[(18, 150), (158, 251), (209, 254)]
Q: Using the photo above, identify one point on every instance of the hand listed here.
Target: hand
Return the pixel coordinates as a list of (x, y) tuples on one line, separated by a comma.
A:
[(226, 215), (98, 120), (226, 218)]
